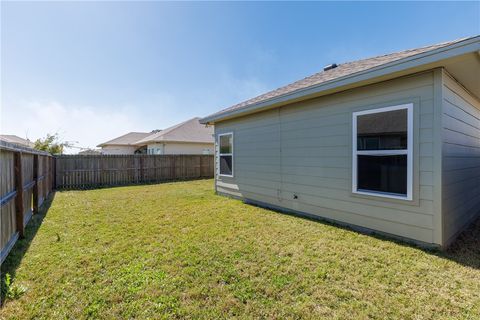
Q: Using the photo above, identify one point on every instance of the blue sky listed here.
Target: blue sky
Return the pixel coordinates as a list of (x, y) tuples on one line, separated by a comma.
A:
[(95, 70)]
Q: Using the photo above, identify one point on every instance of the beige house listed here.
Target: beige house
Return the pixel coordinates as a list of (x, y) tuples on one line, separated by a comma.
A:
[(125, 144), (10, 138), (389, 144), (189, 137)]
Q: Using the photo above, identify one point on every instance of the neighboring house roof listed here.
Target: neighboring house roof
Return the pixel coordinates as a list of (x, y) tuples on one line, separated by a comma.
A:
[(189, 131), (128, 139), (354, 71), (10, 138)]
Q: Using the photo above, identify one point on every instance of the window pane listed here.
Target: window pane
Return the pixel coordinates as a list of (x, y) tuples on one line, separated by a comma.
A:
[(226, 143), (226, 165), (383, 173), (382, 131)]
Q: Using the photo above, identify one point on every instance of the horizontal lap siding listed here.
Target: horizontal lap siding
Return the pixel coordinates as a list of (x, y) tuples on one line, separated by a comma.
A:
[(304, 149), (188, 148), (333, 161), (461, 158), (256, 157), (119, 150)]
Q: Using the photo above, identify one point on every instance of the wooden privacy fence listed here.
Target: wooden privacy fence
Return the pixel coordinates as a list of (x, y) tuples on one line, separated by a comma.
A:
[(28, 176), (26, 179), (90, 171)]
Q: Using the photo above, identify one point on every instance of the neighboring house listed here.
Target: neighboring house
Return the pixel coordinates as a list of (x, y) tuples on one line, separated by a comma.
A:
[(189, 137), (390, 144), (10, 138), (125, 144)]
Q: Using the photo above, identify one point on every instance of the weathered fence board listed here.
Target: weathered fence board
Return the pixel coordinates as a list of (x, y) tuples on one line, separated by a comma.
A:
[(89, 171), (19, 186), (28, 183), (8, 194)]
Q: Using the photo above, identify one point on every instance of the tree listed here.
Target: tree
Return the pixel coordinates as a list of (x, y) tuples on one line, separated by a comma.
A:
[(51, 143)]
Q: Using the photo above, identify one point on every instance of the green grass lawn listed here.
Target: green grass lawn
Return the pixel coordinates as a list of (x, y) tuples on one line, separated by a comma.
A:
[(176, 250)]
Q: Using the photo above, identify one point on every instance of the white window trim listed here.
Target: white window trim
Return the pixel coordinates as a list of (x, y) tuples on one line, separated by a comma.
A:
[(224, 154), (408, 152)]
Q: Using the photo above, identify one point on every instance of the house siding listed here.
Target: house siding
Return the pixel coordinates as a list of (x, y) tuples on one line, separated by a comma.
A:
[(304, 149), (167, 148), (188, 148), (461, 158), (118, 149)]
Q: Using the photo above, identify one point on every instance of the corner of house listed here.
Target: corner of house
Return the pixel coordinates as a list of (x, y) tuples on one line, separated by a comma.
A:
[(438, 218)]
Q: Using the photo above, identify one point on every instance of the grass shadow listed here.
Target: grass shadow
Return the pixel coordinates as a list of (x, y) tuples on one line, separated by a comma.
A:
[(465, 250), (14, 258), (139, 184)]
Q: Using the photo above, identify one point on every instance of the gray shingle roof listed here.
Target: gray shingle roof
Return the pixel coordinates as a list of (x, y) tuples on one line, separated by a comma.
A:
[(188, 131), (343, 69), (127, 139)]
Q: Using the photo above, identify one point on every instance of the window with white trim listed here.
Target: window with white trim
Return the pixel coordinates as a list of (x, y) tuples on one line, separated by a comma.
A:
[(225, 154), (383, 152)]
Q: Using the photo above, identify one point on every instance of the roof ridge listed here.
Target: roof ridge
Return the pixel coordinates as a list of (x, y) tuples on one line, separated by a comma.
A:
[(342, 70), (409, 50), (376, 57), (112, 141), (174, 127), (166, 131)]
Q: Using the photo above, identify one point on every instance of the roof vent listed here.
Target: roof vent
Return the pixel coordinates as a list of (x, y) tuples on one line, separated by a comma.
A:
[(330, 66)]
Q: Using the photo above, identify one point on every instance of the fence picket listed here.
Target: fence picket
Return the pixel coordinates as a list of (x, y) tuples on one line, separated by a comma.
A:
[(78, 171), (19, 183), (28, 177)]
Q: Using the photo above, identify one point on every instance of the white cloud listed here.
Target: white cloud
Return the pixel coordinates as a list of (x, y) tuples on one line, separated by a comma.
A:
[(87, 126)]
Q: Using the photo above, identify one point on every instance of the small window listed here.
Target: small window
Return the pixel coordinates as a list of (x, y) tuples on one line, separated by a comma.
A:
[(225, 154), (155, 150), (382, 152)]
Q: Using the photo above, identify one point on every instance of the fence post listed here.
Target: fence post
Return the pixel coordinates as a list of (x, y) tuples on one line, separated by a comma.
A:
[(136, 168), (19, 209), (142, 174), (35, 186), (200, 158), (54, 172)]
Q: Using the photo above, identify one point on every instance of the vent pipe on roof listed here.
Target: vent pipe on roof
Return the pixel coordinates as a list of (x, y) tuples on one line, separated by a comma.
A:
[(330, 66)]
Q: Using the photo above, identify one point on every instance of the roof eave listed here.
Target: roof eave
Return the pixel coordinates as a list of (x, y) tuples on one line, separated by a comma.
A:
[(355, 79), (117, 145), (173, 141), (143, 143)]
